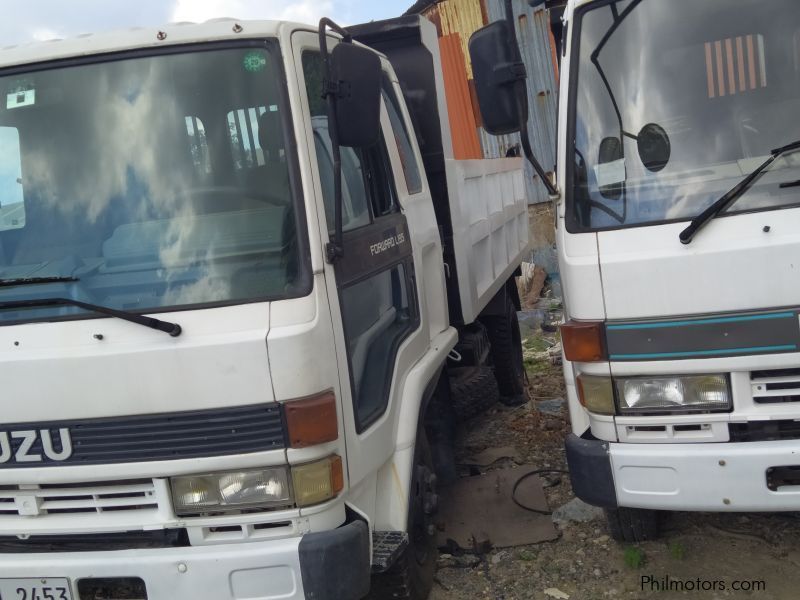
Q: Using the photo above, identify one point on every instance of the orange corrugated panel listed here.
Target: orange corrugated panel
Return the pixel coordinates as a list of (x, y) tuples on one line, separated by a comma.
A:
[(463, 126), (553, 53)]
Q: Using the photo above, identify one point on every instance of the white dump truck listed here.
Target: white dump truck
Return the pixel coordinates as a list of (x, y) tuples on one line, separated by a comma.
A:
[(240, 273), (679, 247)]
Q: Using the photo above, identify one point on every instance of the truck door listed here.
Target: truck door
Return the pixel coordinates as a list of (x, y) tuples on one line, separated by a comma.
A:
[(374, 282)]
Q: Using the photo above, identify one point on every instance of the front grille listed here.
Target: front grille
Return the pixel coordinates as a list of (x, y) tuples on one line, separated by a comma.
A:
[(168, 436), (95, 542), (51, 499), (765, 431), (775, 386)]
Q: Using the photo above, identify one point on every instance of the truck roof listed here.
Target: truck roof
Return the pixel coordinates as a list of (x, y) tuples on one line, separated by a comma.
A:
[(143, 37)]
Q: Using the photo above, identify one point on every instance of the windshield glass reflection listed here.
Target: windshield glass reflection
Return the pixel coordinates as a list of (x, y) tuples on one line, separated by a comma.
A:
[(673, 106), (156, 182)]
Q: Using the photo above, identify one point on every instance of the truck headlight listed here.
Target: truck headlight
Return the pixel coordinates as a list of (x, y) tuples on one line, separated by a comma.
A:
[(221, 492), (271, 487), (670, 394)]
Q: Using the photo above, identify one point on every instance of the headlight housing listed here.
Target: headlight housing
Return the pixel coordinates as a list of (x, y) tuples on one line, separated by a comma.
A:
[(267, 488), (233, 491), (673, 394)]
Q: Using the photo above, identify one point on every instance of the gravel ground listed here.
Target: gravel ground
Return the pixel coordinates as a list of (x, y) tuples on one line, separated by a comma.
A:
[(709, 552)]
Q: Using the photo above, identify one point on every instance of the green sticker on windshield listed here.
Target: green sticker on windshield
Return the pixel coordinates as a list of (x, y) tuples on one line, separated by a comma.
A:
[(255, 61)]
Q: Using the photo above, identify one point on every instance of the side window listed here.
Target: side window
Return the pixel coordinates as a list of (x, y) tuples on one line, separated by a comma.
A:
[(401, 137), (258, 152), (355, 205), (244, 128), (198, 147), (378, 315), (379, 179), (367, 184), (12, 206)]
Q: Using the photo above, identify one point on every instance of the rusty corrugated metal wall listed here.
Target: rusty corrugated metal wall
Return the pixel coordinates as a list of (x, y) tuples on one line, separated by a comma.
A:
[(462, 18), (533, 34), (463, 130)]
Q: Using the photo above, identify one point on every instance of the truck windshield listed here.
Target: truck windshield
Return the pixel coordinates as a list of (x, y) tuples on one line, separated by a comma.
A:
[(147, 183), (672, 104)]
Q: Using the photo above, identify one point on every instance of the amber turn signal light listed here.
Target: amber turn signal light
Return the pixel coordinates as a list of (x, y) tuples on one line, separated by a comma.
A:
[(311, 421), (583, 341)]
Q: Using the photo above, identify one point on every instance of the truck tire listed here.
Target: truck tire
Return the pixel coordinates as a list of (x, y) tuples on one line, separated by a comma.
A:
[(411, 576), (506, 352), (632, 524), (473, 390)]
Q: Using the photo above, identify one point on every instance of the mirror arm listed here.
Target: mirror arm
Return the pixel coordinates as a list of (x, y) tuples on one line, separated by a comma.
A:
[(521, 92), (526, 148), (595, 56), (333, 250), (326, 23)]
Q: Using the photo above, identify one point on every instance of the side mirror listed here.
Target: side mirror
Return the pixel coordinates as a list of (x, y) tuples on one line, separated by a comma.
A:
[(356, 76), (654, 147), (496, 70)]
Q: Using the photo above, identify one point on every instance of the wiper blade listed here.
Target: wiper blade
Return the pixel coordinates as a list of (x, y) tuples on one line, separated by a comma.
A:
[(733, 195), (172, 329), (34, 280)]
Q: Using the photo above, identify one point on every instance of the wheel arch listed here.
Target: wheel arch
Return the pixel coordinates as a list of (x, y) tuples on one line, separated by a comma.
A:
[(394, 477)]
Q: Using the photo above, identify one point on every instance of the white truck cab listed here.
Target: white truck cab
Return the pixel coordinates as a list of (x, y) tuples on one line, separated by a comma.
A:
[(226, 312), (679, 239)]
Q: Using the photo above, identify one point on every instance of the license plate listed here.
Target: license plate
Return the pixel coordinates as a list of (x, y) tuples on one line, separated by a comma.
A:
[(50, 588)]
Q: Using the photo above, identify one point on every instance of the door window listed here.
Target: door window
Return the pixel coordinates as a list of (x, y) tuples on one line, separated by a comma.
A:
[(367, 184), (401, 137), (378, 315)]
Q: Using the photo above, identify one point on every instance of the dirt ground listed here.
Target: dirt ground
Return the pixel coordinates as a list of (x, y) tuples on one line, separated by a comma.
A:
[(707, 555)]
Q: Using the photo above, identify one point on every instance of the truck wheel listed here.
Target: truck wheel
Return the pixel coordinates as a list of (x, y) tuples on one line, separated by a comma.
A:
[(509, 368), (411, 577), (473, 390), (632, 524)]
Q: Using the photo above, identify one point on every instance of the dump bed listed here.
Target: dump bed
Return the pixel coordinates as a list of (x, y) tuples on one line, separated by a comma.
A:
[(480, 205), (489, 213)]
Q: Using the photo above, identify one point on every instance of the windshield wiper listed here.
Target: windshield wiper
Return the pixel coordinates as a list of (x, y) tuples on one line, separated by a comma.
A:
[(734, 194), (34, 280), (172, 329)]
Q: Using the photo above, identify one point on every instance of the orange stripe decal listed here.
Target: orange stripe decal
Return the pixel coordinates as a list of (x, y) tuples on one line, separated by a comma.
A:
[(729, 56), (751, 61), (740, 62), (720, 71), (710, 70)]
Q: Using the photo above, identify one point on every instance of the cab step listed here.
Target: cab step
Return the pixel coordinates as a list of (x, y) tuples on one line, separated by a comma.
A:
[(387, 546)]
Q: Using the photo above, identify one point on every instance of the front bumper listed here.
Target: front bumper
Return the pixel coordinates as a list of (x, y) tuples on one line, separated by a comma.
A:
[(330, 565), (702, 477)]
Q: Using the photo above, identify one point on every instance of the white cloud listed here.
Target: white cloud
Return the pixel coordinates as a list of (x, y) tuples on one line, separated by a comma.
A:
[(308, 11), (48, 19), (42, 34)]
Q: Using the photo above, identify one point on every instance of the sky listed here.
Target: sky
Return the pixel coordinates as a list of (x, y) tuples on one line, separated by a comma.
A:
[(39, 20)]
